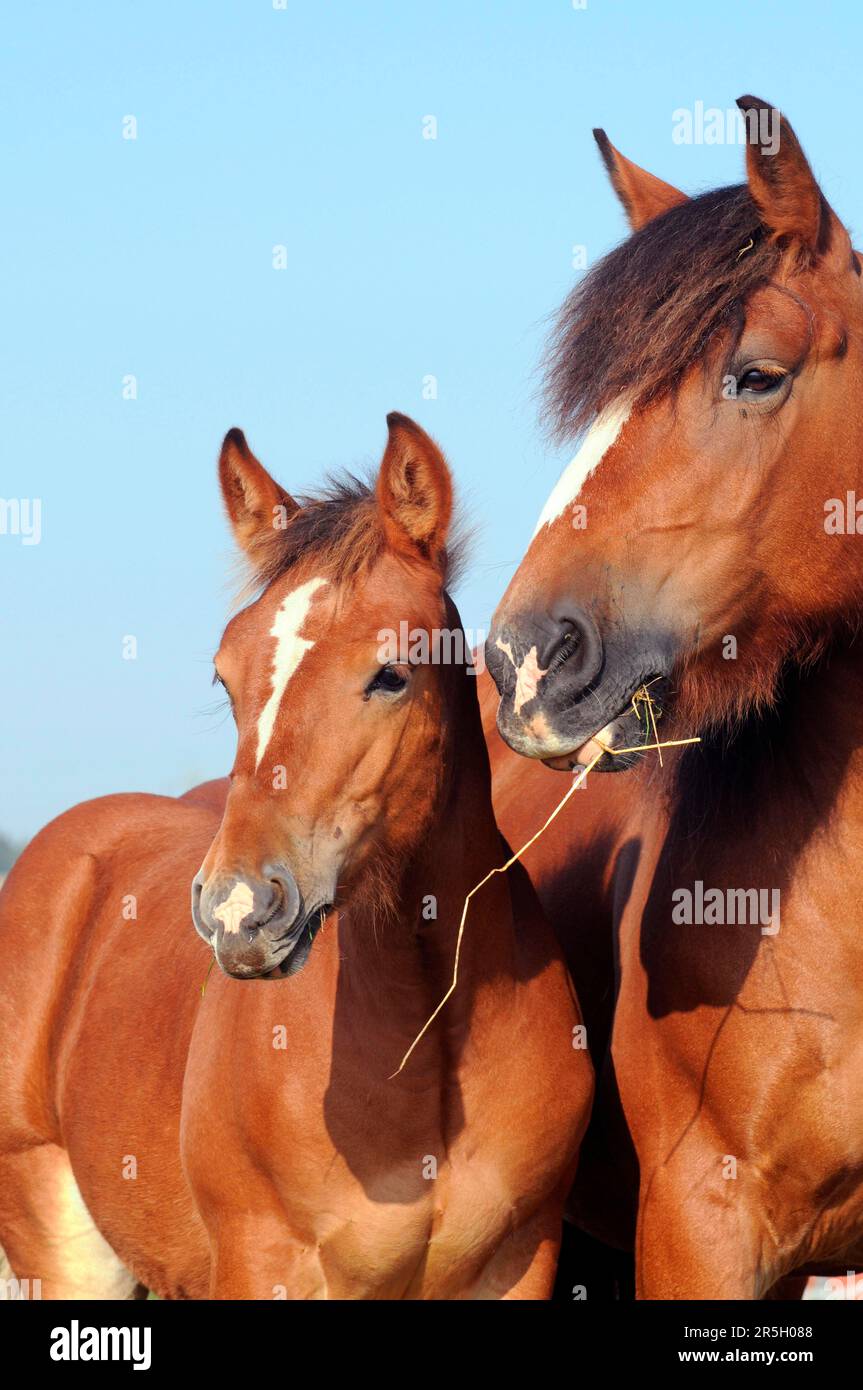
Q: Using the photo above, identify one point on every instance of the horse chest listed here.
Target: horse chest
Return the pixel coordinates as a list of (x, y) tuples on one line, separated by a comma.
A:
[(397, 1194), (370, 1241), (368, 1184)]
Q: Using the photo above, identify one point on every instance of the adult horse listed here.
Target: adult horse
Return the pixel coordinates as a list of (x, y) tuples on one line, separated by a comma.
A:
[(252, 1140), (704, 542)]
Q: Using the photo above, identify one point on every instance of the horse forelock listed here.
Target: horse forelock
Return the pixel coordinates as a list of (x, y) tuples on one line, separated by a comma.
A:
[(655, 305), (339, 530)]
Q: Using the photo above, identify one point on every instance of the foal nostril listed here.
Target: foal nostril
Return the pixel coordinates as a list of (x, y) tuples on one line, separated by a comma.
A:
[(286, 894), (197, 889)]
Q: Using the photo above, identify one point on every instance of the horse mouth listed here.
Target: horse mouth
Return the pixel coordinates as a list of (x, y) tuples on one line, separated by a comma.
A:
[(632, 728), (296, 945)]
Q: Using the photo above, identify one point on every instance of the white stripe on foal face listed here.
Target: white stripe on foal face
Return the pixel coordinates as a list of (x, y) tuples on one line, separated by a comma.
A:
[(595, 445), (290, 650)]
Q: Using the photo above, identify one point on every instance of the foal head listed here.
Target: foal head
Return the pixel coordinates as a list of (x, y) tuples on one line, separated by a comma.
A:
[(341, 737), (715, 360)]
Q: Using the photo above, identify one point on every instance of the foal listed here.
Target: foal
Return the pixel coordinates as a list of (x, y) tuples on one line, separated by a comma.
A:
[(255, 1143)]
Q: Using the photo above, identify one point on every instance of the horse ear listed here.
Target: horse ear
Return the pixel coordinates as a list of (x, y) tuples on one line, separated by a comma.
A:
[(414, 489), (782, 185), (255, 503), (643, 195)]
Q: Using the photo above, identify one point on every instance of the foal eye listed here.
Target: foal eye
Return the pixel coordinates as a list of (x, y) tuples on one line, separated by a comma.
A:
[(760, 381), (389, 681), (217, 680)]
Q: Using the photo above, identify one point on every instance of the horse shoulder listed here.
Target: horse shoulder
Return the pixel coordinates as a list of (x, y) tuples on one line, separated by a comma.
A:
[(81, 870)]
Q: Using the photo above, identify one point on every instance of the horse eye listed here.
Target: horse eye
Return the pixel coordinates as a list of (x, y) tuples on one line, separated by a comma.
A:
[(217, 680), (389, 680), (759, 381)]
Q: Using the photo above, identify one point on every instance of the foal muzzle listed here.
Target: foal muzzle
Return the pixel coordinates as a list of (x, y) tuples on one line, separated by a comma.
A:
[(255, 924)]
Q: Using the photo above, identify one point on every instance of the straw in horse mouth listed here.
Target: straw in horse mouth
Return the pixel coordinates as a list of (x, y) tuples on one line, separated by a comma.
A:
[(594, 748), (647, 712)]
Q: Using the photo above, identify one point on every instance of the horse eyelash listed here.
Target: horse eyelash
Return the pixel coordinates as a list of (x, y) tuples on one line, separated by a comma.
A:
[(228, 702), (777, 372), (218, 707), (768, 369)]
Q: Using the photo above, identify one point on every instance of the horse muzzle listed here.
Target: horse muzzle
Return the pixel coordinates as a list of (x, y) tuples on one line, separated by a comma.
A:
[(257, 925), (567, 691)]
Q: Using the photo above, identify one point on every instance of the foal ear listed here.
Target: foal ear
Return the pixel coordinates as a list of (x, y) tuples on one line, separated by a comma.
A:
[(643, 195), (255, 503), (782, 185), (414, 489)]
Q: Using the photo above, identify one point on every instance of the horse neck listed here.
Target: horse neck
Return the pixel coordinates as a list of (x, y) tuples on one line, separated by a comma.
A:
[(414, 946), (783, 772)]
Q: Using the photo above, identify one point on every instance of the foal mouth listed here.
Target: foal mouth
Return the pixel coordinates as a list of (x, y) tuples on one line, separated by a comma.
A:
[(296, 944), (632, 728)]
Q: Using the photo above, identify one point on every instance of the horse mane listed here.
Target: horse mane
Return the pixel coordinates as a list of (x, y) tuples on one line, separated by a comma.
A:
[(340, 526), (656, 304)]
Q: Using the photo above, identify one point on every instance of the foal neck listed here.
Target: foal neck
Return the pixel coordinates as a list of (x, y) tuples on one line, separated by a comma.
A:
[(415, 943)]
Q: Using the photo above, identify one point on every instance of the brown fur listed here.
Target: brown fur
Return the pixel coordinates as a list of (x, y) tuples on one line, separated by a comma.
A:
[(705, 518), (305, 1170)]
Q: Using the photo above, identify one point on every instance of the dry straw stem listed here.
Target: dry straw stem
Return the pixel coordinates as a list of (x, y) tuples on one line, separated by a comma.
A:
[(642, 695)]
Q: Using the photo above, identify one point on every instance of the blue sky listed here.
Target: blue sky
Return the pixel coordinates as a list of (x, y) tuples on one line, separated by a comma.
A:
[(406, 257)]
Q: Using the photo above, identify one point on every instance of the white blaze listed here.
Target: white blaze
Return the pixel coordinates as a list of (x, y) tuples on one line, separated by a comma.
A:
[(595, 445), (290, 650), (237, 905), (528, 676)]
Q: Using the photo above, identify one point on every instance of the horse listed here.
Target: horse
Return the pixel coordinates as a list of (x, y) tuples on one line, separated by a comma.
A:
[(249, 1132), (699, 564)]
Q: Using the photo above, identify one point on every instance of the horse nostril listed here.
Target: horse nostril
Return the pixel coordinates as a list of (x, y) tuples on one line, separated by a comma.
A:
[(269, 902), (286, 894), (197, 918), (568, 643), (572, 650)]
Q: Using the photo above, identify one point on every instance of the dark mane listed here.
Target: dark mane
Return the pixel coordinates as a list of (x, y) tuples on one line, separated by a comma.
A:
[(341, 527), (656, 304)]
